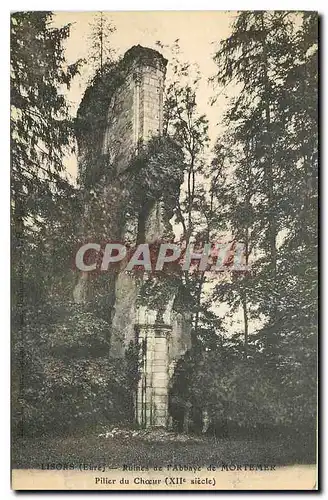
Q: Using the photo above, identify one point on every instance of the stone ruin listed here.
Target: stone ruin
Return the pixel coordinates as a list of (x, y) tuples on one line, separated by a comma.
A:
[(132, 116)]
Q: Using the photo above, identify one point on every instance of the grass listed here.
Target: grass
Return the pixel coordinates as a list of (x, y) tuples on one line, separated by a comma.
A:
[(136, 451)]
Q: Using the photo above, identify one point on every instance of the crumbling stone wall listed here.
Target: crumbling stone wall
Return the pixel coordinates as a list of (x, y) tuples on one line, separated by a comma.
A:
[(128, 100)]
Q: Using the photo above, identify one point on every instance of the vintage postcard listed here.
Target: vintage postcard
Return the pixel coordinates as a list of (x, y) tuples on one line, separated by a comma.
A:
[(164, 210)]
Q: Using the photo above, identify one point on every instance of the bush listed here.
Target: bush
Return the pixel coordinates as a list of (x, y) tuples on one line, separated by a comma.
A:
[(243, 396), (67, 379)]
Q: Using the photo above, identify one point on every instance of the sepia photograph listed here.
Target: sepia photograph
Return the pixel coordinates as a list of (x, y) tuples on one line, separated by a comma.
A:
[(164, 250)]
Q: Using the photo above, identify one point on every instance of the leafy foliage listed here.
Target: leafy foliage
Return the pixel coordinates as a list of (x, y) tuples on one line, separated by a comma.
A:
[(57, 364), (68, 371), (157, 168), (267, 193)]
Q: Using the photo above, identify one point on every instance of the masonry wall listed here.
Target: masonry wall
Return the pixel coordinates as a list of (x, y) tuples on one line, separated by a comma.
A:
[(136, 109), (151, 102)]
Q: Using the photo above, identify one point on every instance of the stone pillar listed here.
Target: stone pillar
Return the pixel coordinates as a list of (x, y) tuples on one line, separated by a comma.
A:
[(135, 111), (161, 375), (152, 394), (134, 115), (148, 83)]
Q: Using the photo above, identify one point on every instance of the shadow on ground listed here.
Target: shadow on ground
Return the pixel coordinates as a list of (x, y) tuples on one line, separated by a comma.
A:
[(116, 448)]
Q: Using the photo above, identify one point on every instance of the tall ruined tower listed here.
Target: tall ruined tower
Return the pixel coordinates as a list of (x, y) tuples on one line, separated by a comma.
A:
[(131, 113)]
